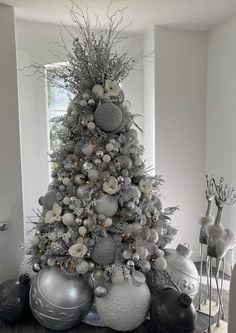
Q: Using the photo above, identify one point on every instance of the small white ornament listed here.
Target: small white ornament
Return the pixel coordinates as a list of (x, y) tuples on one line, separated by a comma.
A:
[(107, 205), (97, 161), (35, 240), (138, 278), (85, 96), (66, 181), (82, 267), (160, 264), (82, 191), (83, 103), (98, 90), (91, 126), (87, 223), (88, 149), (67, 200), (126, 254), (82, 230), (68, 219), (106, 158), (99, 153), (108, 222), (109, 147)]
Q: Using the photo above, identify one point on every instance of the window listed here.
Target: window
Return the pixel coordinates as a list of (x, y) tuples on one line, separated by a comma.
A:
[(58, 100)]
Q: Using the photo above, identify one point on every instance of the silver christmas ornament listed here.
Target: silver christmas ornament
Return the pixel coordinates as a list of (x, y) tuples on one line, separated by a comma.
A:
[(109, 117), (107, 205), (104, 251), (36, 267), (60, 300), (182, 270), (125, 307), (100, 291)]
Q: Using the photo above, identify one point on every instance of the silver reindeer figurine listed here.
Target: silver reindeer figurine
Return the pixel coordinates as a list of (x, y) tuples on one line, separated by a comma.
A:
[(203, 236), (220, 241)]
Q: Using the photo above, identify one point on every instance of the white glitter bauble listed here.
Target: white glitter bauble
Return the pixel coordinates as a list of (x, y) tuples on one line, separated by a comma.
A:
[(106, 158), (160, 264), (107, 205), (109, 117), (88, 149), (98, 90), (82, 267), (68, 219), (104, 251), (125, 307)]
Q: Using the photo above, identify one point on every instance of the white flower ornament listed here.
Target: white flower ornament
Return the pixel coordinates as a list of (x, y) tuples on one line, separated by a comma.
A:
[(78, 250), (53, 215), (112, 88)]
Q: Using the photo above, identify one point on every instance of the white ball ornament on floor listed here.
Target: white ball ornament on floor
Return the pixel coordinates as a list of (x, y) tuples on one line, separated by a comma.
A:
[(109, 117), (107, 205), (125, 307), (68, 219), (60, 300), (104, 251), (182, 269)]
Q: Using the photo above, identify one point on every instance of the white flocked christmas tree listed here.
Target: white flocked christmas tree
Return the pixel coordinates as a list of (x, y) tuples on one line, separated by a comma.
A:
[(102, 214)]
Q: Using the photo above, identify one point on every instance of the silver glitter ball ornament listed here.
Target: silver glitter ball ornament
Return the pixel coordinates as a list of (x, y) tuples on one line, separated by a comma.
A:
[(182, 269), (109, 117), (104, 251), (60, 300), (125, 307), (100, 291)]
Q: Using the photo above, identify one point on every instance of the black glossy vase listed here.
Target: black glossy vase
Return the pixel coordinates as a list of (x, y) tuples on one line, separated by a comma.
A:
[(172, 312), (14, 299)]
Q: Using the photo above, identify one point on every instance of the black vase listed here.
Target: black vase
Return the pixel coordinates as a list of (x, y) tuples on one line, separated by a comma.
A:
[(14, 299), (172, 312)]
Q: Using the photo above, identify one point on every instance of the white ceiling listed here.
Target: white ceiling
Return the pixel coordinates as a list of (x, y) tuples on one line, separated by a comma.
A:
[(187, 14)]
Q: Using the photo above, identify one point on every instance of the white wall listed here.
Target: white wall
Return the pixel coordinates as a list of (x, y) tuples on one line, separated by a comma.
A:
[(34, 43), (10, 166), (180, 94), (221, 109)]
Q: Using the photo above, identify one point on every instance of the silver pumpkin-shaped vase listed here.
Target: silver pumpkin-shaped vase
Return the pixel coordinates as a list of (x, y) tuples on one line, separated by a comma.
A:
[(182, 270), (59, 300)]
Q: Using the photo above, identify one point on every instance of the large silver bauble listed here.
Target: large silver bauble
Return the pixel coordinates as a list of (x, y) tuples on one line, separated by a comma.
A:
[(109, 117), (125, 307), (104, 251), (182, 270), (107, 205), (60, 300)]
